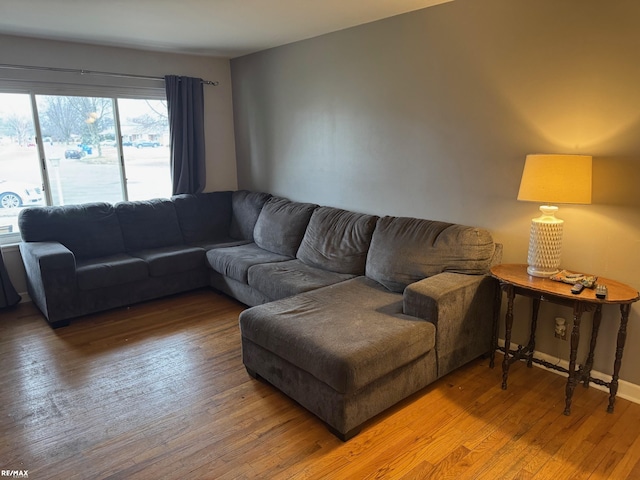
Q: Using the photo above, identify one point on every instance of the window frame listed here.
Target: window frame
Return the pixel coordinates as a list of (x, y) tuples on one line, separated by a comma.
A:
[(18, 82)]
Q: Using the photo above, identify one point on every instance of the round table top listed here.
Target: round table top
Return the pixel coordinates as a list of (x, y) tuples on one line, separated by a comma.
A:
[(516, 274)]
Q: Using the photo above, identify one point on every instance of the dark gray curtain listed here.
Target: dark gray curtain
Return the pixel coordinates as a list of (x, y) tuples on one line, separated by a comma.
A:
[(8, 294), (185, 101)]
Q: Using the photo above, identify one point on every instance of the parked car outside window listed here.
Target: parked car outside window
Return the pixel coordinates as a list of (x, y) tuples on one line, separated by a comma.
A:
[(74, 153), (18, 194), (146, 144)]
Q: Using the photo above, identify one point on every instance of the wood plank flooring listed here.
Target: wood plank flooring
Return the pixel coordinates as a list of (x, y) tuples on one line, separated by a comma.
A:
[(158, 390)]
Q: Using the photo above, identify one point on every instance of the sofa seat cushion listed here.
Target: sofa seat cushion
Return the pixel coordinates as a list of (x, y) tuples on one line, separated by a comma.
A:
[(346, 335), (284, 279), (234, 262), (281, 225), (169, 260), (109, 271), (220, 243), (337, 240), (405, 250)]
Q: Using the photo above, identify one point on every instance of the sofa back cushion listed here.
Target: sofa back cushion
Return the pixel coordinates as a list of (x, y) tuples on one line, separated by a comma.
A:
[(89, 230), (245, 208), (406, 250), (281, 225), (337, 240), (149, 224), (203, 216)]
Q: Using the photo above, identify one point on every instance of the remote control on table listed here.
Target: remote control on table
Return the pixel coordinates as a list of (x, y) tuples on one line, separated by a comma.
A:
[(577, 288), (601, 291)]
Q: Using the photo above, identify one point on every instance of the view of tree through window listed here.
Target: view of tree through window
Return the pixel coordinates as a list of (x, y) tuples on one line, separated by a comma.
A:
[(89, 155), (76, 132)]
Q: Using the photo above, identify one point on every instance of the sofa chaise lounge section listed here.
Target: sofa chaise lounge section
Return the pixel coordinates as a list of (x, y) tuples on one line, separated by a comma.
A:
[(349, 351)]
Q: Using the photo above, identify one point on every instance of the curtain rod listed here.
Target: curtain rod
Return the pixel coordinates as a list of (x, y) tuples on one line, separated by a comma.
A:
[(91, 72)]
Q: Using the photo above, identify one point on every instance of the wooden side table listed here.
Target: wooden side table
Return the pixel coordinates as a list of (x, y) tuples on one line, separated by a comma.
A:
[(514, 280)]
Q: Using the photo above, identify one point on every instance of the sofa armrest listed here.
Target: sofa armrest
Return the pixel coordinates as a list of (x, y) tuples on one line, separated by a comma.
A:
[(462, 309), (50, 268), (49, 255)]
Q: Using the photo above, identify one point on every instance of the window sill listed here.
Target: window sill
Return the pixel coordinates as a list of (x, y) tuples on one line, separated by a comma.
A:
[(10, 239)]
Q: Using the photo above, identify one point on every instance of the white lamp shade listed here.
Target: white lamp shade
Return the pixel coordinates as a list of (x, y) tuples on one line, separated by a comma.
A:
[(553, 179)]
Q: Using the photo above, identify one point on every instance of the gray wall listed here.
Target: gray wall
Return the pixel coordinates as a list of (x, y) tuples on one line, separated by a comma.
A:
[(432, 113)]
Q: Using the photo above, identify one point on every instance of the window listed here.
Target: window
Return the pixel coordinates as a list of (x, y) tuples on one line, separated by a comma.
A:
[(78, 136), (20, 175), (92, 149), (144, 129)]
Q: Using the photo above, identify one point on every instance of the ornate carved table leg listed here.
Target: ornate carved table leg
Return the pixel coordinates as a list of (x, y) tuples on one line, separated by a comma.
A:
[(622, 337), (532, 335), (575, 340), (586, 371), (496, 318), (507, 333)]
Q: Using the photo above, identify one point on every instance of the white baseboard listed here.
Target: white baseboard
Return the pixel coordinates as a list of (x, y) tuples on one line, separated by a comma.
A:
[(24, 297), (627, 390)]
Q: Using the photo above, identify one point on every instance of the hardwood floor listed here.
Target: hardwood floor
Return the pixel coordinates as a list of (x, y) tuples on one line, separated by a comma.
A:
[(158, 390)]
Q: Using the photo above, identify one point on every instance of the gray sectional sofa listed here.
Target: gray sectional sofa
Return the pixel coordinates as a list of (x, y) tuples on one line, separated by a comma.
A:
[(351, 313)]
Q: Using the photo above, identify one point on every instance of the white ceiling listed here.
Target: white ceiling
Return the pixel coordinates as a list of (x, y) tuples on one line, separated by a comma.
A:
[(227, 28)]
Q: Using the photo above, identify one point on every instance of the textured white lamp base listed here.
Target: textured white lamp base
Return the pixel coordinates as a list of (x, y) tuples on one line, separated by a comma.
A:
[(545, 243)]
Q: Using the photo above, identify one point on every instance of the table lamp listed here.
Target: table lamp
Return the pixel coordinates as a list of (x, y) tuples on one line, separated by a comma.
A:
[(552, 179)]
